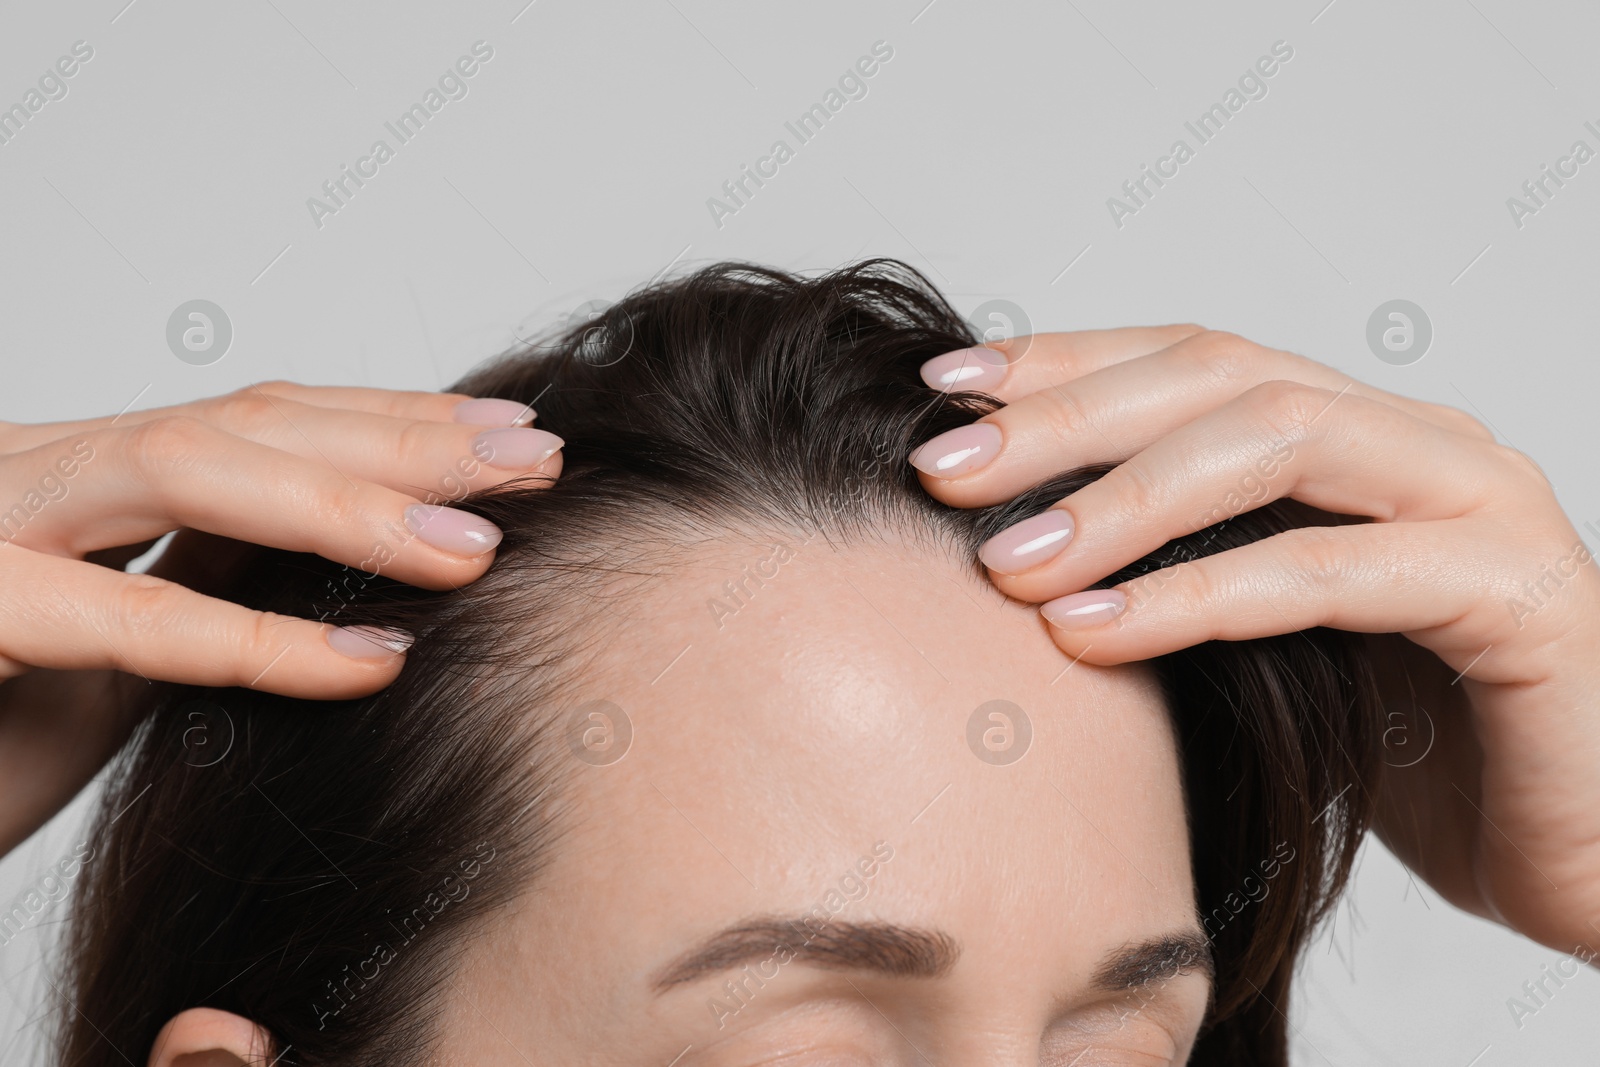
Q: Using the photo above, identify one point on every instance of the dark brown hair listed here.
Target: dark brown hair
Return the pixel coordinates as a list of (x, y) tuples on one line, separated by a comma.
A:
[(316, 866)]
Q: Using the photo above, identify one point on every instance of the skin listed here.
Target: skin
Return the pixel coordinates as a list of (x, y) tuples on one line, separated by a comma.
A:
[(325, 470), (1482, 602), (766, 763)]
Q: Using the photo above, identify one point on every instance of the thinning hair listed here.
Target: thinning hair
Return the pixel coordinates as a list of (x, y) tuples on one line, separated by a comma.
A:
[(735, 398)]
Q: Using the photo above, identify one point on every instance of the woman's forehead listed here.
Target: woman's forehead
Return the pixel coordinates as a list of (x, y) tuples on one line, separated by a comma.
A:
[(860, 695)]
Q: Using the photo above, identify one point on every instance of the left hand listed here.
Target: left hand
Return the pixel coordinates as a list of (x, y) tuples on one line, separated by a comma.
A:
[(1469, 579)]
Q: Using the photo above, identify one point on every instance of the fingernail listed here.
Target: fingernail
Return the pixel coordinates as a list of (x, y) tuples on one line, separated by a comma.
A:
[(515, 448), (978, 368), (452, 530), (1079, 611), (955, 452), (368, 642), (1027, 543), (487, 411)]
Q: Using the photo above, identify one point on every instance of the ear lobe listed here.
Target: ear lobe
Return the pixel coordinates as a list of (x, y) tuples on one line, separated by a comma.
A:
[(206, 1037)]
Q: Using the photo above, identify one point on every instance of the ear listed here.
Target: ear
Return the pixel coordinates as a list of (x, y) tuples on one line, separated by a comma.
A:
[(206, 1037)]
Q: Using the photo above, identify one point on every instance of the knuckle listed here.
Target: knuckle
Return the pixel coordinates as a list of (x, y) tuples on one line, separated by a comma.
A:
[(1064, 417), (416, 443), (1199, 584), (143, 607), (1288, 408), (1463, 422), (1521, 464), (1191, 581), (1139, 497), (242, 411), (346, 509), (258, 643), (1324, 561), (163, 445), (1225, 356)]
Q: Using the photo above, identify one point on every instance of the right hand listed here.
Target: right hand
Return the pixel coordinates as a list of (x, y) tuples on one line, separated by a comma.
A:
[(308, 469)]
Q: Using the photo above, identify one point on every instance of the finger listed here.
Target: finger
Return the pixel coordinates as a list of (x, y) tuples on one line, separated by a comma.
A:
[(1376, 578), (1013, 368), (1281, 439), (145, 480), (1112, 413), (68, 615), (433, 461), (421, 407)]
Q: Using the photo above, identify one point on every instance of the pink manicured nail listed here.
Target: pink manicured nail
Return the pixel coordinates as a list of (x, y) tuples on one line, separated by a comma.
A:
[(1079, 611), (487, 411), (460, 532), (977, 369), (368, 642), (515, 448), (1027, 543), (955, 452)]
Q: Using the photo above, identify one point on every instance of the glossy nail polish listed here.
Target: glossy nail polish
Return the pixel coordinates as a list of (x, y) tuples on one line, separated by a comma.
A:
[(368, 642), (959, 451), (1080, 611), (1027, 543), (488, 411), (451, 530), (515, 448), (975, 369)]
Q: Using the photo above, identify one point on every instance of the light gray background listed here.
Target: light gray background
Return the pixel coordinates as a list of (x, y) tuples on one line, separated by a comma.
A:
[(1377, 167)]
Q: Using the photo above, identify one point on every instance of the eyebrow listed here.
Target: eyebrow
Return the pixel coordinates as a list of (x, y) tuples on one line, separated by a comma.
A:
[(911, 952)]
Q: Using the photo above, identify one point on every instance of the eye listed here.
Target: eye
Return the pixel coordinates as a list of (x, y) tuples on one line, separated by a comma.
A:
[(1093, 1056), (1130, 1032)]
